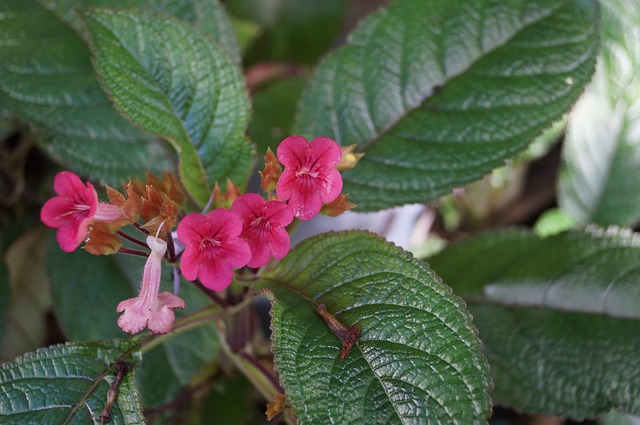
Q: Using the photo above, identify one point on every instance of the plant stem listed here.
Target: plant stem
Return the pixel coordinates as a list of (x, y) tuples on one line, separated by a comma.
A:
[(131, 238), (133, 252)]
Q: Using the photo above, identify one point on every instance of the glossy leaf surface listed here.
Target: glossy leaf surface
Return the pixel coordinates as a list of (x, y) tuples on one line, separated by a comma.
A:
[(46, 78), (208, 15), (439, 93), (69, 384), (174, 81), (417, 358), (598, 182), (291, 30), (558, 317)]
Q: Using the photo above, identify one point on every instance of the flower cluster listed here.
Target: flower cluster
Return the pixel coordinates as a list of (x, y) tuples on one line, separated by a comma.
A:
[(242, 229)]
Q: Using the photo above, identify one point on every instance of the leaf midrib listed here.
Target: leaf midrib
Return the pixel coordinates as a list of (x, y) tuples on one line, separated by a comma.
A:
[(185, 135), (447, 79)]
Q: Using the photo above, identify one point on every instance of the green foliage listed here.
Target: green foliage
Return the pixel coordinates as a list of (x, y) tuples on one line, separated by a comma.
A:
[(291, 30), (26, 326), (602, 150), (558, 317), (5, 293), (47, 79), (274, 107), (174, 81), (438, 105), (417, 358), (169, 368), (208, 15), (436, 94), (31, 386), (86, 290)]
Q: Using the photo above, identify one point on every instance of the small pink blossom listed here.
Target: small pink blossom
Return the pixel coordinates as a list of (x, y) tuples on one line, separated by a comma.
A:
[(263, 227), (73, 209), (150, 308), (310, 176), (212, 247)]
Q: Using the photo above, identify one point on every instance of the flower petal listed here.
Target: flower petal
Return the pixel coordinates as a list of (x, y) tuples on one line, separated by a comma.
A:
[(306, 204), (56, 211), (190, 262), (280, 243), (193, 228), (216, 275), (260, 253), (71, 233), (135, 316), (286, 185), (225, 224), (278, 213), (237, 252), (331, 187), (248, 205), (69, 185), (161, 316), (326, 152), (293, 151)]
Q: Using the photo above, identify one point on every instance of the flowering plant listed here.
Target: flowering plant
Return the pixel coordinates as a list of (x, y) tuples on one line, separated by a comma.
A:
[(176, 173)]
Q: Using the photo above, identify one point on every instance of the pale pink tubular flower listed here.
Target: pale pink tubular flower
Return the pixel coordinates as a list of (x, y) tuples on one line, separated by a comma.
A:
[(73, 209), (310, 176), (150, 308), (263, 224), (212, 247)]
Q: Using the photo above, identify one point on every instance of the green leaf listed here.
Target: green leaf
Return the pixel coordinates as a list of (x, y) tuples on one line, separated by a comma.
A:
[(5, 293), (26, 327), (208, 15), (274, 107), (292, 30), (173, 81), (86, 290), (558, 317), (552, 222), (438, 93), (602, 148), (615, 418), (417, 358), (46, 78), (169, 368), (69, 384)]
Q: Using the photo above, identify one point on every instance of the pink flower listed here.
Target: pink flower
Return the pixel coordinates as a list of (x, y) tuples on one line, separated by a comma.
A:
[(72, 211), (212, 247), (310, 176), (263, 227), (149, 308)]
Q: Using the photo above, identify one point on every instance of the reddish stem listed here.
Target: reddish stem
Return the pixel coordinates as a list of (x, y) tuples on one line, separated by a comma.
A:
[(131, 238), (133, 252)]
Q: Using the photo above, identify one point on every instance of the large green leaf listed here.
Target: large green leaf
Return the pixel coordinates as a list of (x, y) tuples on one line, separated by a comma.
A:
[(437, 93), (417, 358), (291, 30), (207, 15), (69, 384), (558, 317), (274, 107), (602, 147), (169, 368), (174, 81), (46, 77), (30, 299), (5, 293), (86, 290)]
